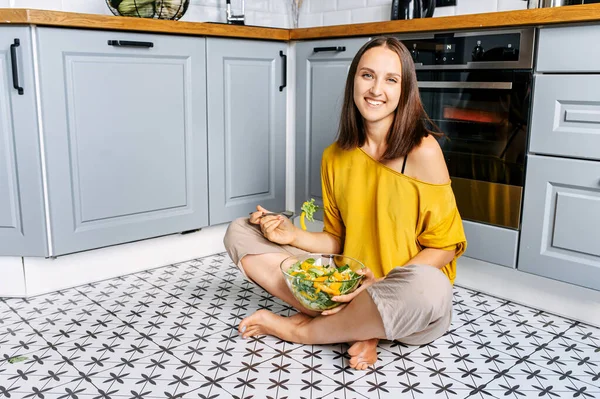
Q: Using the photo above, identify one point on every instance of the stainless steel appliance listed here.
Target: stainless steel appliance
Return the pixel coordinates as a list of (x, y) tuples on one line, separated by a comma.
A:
[(476, 87), (401, 9), (234, 19)]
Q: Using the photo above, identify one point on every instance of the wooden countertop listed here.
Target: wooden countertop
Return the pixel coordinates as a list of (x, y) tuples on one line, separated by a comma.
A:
[(504, 19), (536, 17), (97, 21)]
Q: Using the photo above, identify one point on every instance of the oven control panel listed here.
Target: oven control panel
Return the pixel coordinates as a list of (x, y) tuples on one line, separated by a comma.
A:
[(469, 48)]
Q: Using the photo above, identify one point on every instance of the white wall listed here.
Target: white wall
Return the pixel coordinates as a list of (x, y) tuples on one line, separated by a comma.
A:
[(339, 12), (276, 13), (273, 13)]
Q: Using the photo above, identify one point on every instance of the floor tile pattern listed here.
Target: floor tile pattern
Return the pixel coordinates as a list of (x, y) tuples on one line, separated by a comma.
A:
[(171, 333)]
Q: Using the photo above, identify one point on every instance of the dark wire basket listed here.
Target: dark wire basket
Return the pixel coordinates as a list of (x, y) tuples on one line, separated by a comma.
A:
[(156, 9)]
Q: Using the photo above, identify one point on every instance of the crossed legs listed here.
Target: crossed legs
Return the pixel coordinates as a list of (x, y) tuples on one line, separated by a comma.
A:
[(307, 327), (416, 301)]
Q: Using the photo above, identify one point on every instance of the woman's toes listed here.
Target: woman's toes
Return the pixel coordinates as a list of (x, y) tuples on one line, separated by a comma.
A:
[(254, 331), (360, 365), (354, 350), (251, 322), (356, 362)]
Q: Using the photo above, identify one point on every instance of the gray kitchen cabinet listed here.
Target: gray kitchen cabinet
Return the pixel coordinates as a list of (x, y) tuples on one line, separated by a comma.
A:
[(505, 241), (321, 72), (22, 225), (568, 49), (124, 123), (246, 126), (566, 116), (561, 220)]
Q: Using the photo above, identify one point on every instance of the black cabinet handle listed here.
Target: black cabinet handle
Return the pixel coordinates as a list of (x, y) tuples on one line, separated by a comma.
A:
[(15, 66), (334, 48), (284, 56), (129, 43)]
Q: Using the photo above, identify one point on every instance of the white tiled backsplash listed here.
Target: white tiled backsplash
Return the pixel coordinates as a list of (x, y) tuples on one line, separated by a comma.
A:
[(276, 13), (337, 12)]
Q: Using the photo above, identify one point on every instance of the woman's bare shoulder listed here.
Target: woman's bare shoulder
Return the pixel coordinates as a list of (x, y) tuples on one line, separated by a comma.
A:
[(426, 162)]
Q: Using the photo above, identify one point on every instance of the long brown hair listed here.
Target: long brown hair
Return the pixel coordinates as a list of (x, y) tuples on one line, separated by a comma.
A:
[(409, 125)]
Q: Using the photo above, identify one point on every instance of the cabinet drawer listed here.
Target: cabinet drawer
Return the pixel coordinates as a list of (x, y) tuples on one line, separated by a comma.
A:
[(569, 49), (566, 116), (561, 220)]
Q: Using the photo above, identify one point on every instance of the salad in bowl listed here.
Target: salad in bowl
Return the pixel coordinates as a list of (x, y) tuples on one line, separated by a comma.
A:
[(314, 279)]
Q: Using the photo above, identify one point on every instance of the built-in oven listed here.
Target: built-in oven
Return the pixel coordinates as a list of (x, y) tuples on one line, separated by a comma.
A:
[(476, 87)]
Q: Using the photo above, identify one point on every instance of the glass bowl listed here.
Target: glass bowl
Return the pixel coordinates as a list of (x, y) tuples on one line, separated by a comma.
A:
[(314, 278)]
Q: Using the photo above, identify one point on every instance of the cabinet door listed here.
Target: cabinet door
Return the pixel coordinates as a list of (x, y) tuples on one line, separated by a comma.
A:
[(566, 116), (125, 130), (246, 125), (22, 225), (322, 68), (561, 220)]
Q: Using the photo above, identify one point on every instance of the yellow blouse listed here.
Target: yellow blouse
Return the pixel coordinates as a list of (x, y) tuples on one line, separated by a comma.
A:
[(385, 218)]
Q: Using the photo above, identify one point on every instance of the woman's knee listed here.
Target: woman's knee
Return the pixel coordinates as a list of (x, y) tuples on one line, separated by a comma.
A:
[(431, 293), (440, 294), (234, 232), (429, 334)]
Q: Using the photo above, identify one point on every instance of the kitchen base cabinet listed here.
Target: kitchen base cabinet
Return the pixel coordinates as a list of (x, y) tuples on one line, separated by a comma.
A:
[(492, 244), (321, 70), (561, 220), (22, 223), (124, 122), (246, 126)]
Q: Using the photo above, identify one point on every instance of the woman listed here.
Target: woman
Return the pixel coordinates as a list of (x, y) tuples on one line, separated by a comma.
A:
[(387, 202)]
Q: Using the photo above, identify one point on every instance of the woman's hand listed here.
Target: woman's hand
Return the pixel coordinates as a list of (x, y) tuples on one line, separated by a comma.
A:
[(368, 281), (256, 216), (278, 229), (275, 228)]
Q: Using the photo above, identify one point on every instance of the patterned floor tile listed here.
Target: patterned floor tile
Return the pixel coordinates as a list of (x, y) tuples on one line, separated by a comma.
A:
[(171, 332), (533, 381)]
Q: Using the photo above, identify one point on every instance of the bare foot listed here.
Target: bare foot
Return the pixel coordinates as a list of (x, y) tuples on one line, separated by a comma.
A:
[(363, 354), (263, 322)]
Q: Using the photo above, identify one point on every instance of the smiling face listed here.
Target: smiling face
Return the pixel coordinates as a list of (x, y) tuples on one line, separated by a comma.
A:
[(377, 85), (382, 106)]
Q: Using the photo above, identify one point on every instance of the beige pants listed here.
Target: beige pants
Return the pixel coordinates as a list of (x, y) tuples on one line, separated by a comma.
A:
[(414, 302)]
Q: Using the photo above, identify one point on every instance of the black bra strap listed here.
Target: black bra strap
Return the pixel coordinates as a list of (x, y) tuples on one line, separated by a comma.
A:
[(404, 163)]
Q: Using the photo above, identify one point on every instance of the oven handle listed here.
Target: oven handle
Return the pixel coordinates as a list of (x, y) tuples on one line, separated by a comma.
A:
[(466, 85)]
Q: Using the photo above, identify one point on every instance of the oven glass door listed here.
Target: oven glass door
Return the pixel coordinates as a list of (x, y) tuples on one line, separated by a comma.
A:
[(484, 116)]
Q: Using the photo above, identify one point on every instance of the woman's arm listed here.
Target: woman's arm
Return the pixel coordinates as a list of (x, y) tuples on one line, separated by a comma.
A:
[(433, 257), (281, 230), (427, 163), (316, 242)]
